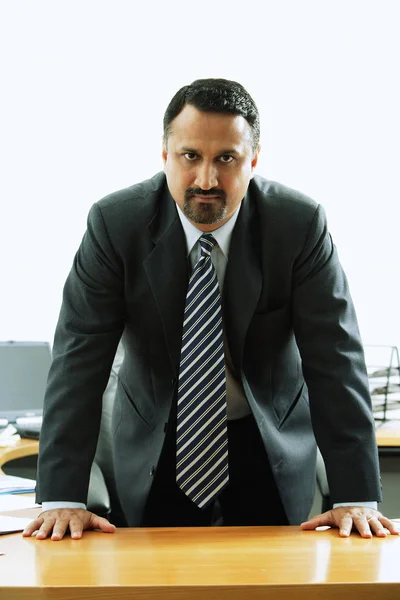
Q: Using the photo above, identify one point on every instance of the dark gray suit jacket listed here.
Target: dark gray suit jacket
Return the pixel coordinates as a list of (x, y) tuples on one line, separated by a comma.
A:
[(291, 330)]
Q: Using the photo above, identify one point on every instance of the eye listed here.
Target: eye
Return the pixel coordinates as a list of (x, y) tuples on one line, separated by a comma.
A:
[(190, 156), (226, 158)]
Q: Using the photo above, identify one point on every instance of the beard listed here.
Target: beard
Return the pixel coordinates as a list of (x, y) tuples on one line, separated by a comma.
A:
[(204, 213)]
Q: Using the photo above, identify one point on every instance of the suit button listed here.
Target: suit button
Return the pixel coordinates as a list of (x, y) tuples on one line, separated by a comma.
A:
[(165, 427), (152, 471)]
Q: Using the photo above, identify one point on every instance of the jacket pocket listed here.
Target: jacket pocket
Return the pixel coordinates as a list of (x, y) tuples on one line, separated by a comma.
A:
[(128, 403), (291, 407)]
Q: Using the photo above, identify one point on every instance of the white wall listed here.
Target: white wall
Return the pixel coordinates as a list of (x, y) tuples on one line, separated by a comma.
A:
[(84, 85)]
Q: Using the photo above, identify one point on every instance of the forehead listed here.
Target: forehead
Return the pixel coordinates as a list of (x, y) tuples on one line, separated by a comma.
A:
[(195, 128)]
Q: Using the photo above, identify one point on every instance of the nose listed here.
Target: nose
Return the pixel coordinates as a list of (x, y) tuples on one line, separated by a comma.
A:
[(206, 176)]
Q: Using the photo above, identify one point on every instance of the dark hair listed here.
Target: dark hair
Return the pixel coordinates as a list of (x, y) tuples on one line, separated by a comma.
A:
[(215, 95)]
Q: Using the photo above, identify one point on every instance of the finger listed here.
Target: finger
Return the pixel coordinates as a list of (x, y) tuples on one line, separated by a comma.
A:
[(32, 527), (76, 526), (45, 529), (345, 526), (318, 521), (59, 528), (364, 526), (376, 527), (389, 525), (101, 523)]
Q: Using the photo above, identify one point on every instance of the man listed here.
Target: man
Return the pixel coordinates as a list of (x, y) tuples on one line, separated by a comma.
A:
[(218, 402)]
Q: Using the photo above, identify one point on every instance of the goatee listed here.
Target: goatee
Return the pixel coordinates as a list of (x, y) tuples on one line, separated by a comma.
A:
[(205, 213)]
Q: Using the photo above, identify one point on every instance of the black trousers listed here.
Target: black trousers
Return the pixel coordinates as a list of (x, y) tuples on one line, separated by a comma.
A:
[(251, 497)]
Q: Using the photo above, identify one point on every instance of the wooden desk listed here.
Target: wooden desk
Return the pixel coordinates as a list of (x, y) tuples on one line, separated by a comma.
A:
[(183, 564), (21, 449), (388, 435), (221, 563)]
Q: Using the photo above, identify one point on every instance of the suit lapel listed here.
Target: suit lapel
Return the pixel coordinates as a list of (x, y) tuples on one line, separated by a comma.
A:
[(168, 274), (243, 281)]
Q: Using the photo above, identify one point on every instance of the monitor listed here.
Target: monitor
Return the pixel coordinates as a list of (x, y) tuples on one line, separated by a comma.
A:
[(24, 367)]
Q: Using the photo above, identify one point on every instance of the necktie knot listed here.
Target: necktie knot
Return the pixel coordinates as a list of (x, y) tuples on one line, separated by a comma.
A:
[(207, 243)]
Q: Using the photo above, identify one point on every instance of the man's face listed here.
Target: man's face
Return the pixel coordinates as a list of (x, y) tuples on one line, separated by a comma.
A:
[(208, 163)]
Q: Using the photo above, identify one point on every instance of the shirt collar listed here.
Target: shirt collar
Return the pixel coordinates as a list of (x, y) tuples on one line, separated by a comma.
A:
[(222, 235)]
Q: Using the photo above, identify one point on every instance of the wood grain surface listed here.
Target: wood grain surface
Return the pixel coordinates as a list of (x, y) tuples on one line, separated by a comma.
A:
[(224, 563)]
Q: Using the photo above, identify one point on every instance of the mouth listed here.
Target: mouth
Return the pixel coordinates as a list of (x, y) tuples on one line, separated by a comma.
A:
[(200, 198)]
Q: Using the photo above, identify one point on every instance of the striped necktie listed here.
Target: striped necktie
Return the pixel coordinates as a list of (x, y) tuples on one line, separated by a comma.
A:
[(202, 440)]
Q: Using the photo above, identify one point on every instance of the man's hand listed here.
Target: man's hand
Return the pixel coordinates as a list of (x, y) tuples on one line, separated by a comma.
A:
[(57, 522), (366, 521)]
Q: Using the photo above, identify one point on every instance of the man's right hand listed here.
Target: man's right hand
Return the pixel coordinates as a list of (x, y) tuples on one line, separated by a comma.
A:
[(57, 522)]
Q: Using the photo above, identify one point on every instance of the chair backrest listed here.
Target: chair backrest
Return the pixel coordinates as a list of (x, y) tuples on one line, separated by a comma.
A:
[(322, 483), (103, 497)]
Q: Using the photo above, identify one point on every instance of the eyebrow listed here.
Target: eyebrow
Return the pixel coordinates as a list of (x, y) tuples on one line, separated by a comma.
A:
[(221, 153)]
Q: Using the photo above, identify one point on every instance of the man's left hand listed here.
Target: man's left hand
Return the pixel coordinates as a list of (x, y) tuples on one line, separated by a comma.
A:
[(366, 521)]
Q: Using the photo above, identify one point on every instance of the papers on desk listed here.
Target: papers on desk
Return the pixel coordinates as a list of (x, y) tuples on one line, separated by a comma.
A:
[(9, 436), (13, 524), (16, 485), (16, 502)]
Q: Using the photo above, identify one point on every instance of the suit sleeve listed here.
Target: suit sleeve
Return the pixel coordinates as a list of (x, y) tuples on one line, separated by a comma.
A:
[(328, 338), (90, 324)]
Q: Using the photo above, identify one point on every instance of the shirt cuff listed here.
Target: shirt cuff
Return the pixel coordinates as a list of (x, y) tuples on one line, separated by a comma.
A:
[(60, 504), (371, 504)]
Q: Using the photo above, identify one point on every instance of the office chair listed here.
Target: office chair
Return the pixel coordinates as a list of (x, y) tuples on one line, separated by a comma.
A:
[(322, 483), (102, 495)]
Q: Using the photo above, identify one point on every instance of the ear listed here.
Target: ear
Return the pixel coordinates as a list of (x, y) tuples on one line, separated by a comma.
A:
[(164, 154), (255, 159)]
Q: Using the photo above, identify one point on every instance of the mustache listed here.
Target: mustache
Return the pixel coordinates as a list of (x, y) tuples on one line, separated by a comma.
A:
[(199, 192)]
